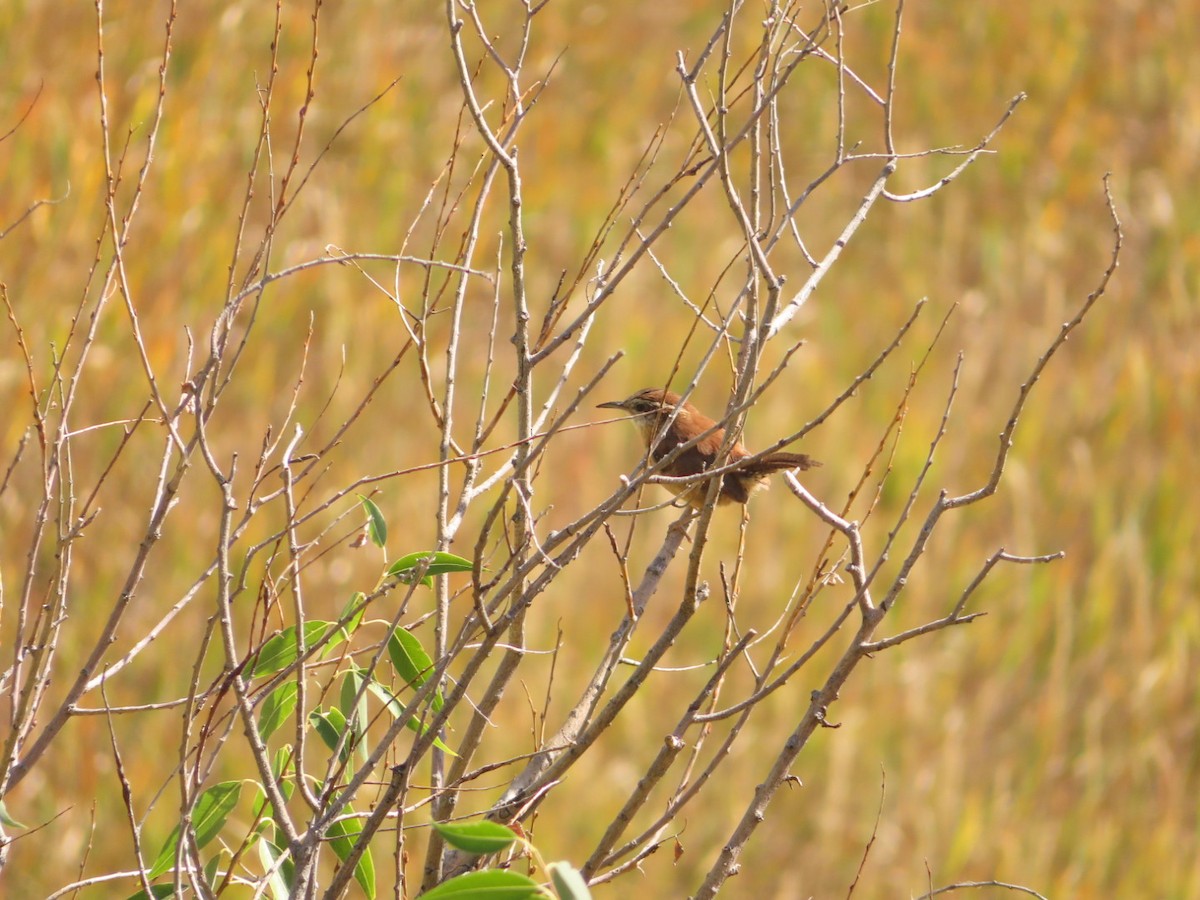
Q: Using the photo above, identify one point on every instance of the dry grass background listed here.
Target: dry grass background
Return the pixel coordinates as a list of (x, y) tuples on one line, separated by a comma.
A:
[(1053, 742)]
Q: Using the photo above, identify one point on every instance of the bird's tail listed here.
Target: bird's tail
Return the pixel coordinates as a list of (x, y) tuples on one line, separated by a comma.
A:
[(778, 462)]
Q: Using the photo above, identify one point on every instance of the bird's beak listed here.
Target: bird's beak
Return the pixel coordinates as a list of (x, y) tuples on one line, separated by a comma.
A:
[(611, 404)]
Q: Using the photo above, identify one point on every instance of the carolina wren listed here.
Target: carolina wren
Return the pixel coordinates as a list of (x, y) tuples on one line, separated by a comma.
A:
[(650, 409)]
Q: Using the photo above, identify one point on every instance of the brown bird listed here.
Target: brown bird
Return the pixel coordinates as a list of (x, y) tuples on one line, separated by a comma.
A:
[(651, 407)]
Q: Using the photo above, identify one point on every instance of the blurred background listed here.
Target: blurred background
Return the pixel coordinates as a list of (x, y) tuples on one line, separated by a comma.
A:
[(1053, 742)]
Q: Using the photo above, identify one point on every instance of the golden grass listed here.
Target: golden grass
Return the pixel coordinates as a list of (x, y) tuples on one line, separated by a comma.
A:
[(1052, 743)]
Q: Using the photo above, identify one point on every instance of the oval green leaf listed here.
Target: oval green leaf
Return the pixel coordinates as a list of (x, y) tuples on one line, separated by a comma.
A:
[(492, 884), (411, 662), (440, 562), (477, 837), (281, 650)]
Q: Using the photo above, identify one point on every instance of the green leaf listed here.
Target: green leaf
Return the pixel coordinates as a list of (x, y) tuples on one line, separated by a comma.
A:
[(355, 710), (411, 662), (357, 601), (343, 834), (477, 837), (394, 706), (212, 809), (492, 884), (281, 650), (278, 882), (397, 709), (208, 818), (415, 726), (261, 807), (377, 524), (157, 891), (348, 699), (440, 563), (210, 871), (567, 881), (329, 725), (277, 708), (7, 820), (263, 811), (280, 763)]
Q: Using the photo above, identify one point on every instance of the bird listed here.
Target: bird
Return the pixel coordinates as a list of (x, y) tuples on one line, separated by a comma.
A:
[(649, 410)]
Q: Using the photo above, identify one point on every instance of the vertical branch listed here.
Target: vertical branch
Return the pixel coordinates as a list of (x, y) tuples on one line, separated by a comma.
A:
[(889, 106), (298, 615), (504, 153)]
